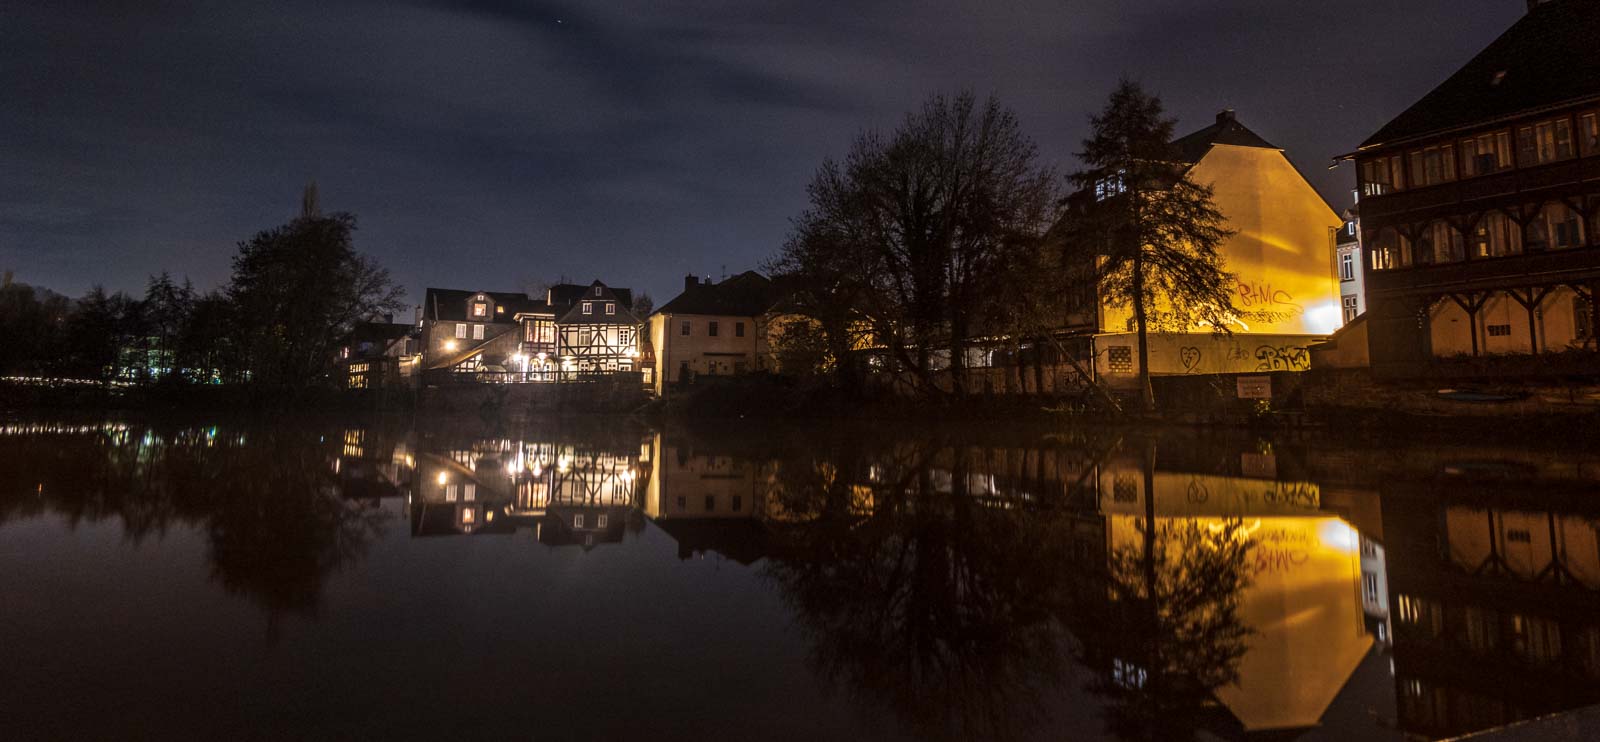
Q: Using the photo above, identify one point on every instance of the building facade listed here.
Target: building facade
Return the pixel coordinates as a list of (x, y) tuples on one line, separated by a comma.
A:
[(1347, 259), (712, 329), (575, 332), (1480, 205), (1281, 252)]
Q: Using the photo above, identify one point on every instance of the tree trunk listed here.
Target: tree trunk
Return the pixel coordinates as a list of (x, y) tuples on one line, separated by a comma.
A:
[(1147, 396)]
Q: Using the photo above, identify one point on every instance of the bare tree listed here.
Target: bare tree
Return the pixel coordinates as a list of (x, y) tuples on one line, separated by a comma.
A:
[(914, 228)]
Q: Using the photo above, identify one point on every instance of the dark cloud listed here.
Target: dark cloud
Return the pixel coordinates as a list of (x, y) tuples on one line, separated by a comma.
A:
[(487, 144)]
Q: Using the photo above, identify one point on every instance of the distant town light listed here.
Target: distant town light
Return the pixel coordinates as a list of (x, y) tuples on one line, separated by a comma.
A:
[(443, 477), (449, 345)]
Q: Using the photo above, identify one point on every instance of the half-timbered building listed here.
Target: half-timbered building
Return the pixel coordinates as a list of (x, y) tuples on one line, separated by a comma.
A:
[(1481, 206)]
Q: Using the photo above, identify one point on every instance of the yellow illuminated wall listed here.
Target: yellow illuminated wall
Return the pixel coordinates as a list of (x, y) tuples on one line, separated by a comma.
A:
[(1304, 601), (1282, 253)]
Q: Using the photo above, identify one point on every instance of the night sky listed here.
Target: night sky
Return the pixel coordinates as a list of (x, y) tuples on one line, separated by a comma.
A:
[(495, 144)]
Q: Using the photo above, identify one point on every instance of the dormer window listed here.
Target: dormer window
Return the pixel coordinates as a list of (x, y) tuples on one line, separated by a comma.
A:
[(499, 310), (611, 307), (480, 309), (588, 307), (597, 291)]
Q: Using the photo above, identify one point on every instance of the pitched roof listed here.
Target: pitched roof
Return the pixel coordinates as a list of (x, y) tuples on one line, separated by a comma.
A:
[(450, 305), (565, 294), (1226, 130), (1545, 59), (378, 332), (598, 294), (745, 295)]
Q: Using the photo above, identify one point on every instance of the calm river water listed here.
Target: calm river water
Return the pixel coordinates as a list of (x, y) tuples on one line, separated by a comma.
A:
[(572, 579)]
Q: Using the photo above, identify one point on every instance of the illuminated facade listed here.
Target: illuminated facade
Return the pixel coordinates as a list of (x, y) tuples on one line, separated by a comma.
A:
[(712, 329), (1480, 206), (574, 333), (1281, 254)]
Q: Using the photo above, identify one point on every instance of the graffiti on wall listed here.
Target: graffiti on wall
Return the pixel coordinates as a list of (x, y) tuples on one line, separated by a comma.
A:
[(1263, 297), (1283, 358)]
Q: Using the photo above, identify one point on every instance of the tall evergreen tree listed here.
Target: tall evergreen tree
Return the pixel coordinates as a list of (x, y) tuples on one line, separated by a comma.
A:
[(1152, 232)]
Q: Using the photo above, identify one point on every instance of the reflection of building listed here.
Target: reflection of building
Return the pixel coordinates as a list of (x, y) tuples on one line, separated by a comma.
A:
[(1479, 209), (566, 494), (1495, 605), (1303, 603), (1281, 253), (371, 465), (707, 501)]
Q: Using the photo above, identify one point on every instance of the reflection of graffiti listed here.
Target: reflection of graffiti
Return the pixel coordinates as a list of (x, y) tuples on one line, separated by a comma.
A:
[(1281, 550), (1268, 561), (1197, 492), (1263, 296), (1282, 358), (1190, 356), (1297, 495)]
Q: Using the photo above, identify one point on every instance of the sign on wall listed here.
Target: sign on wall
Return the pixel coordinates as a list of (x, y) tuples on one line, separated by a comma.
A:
[(1254, 387)]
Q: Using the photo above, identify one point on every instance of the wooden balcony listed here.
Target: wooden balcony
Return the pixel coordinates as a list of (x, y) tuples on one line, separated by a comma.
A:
[(1541, 268), (1485, 191)]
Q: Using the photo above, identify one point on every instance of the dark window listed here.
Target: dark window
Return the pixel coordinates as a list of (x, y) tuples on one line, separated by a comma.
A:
[(711, 328), (683, 503), (738, 329), (684, 328), (1583, 317), (738, 502), (1499, 330), (711, 503)]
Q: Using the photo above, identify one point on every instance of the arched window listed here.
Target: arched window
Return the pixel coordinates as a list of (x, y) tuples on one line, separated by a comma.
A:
[(1390, 250), (1557, 227), (1440, 243), (1496, 236)]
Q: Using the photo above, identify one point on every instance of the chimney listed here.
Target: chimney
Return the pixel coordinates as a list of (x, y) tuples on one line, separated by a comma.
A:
[(1225, 116), (690, 282)]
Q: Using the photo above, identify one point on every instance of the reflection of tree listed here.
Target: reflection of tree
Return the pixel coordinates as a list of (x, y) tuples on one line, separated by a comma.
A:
[(935, 603), (266, 500), (1166, 632)]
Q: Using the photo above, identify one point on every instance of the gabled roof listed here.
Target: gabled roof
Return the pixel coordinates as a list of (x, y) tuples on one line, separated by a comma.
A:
[(564, 295), (745, 295), (1226, 130), (1544, 60), (450, 305), (597, 315)]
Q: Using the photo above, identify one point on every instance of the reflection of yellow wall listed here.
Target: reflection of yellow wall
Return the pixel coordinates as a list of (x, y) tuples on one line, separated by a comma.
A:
[(1283, 250), (1181, 494), (701, 486), (1304, 606)]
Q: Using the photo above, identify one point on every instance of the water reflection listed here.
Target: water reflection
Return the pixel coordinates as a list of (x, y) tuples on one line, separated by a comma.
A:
[(940, 583)]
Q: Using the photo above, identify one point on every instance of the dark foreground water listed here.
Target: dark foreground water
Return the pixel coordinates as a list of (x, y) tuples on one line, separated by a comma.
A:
[(600, 580)]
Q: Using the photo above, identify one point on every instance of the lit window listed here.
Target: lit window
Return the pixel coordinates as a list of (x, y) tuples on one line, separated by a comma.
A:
[(452, 492), (467, 515), (1382, 175), (588, 307), (577, 520), (597, 291), (1589, 134), (1546, 141), (1433, 165), (611, 307), (477, 332), (469, 492), (600, 520), (480, 309), (1557, 227), (1486, 153), (1496, 235), (461, 331)]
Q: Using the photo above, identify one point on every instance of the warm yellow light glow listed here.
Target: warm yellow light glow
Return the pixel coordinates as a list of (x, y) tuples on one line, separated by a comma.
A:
[(1337, 535), (449, 345), (443, 477)]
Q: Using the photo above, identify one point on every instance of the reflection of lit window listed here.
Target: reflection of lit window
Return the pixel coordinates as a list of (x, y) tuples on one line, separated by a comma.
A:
[(467, 515), (577, 520), (451, 492), (469, 492), (600, 522)]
